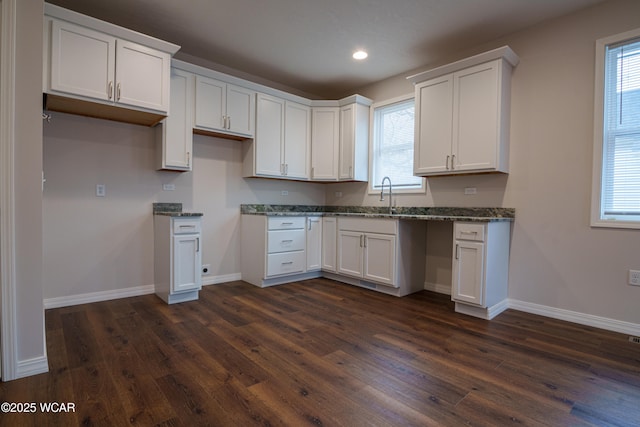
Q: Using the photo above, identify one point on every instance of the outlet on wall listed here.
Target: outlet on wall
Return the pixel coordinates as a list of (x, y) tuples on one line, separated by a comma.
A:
[(634, 277), (206, 269)]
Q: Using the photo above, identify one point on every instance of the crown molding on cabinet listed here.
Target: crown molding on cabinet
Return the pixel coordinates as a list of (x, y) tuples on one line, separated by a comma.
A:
[(503, 52)]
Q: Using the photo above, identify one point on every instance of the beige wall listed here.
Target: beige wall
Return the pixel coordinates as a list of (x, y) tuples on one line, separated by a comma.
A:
[(27, 174), (557, 259), (95, 244)]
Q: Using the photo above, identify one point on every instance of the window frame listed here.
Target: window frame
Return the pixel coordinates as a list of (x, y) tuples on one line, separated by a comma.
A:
[(372, 185), (597, 217)]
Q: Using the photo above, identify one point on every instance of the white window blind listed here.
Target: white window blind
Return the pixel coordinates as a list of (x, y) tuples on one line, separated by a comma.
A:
[(621, 133), (393, 129)]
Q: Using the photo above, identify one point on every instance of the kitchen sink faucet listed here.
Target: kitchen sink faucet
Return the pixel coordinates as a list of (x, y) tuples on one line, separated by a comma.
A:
[(391, 208)]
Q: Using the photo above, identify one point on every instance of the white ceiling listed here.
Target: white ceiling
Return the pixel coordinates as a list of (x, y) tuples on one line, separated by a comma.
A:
[(307, 44)]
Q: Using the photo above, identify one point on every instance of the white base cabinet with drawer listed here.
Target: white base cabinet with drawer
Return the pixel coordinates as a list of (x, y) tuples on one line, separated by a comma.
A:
[(177, 258), (275, 249), (380, 254), (480, 268)]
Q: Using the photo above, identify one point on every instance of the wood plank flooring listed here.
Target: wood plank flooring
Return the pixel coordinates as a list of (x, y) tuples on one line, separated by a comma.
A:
[(321, 353)]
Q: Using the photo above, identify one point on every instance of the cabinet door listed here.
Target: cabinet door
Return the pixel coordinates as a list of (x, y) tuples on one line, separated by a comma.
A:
[(82, 61), (297, 140), (314, 243), (468, 272), (475, 106), (325, 143), (240, 110), (177, 139), (380, 258), (433, 129), (187, 260), (329, 249), (350, 253), (269, 136), (142, 76), (347, 141), (211, 100)]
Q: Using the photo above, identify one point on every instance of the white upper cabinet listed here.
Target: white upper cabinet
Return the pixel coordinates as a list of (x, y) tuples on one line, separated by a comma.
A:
[(340, 140), (297, 140), (89, 62), (269, 140), (325, 143), (82, 61), (354, 142), (281, 148), (462, 116), (224, 108), (175, 133)]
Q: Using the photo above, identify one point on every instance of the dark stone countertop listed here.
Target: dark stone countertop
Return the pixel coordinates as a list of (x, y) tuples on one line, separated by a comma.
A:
[(172, 209), (417, 213)]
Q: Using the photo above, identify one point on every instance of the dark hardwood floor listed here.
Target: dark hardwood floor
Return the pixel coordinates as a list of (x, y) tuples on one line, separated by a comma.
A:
[(321, 353)]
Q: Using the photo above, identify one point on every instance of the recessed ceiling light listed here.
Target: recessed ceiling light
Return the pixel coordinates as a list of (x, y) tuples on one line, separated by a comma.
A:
[(360, 54)]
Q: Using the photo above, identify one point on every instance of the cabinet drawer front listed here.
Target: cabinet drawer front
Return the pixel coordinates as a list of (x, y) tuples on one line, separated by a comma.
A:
[(286, 223), (285, 263), (469, 231), (285, 240), (184, 226), (369, 225)]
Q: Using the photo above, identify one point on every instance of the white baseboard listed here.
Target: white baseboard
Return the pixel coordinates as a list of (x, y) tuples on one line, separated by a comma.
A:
[(577, 317), (70, 300), (35, 366), (437, 287), (98, 296), (224, 278)]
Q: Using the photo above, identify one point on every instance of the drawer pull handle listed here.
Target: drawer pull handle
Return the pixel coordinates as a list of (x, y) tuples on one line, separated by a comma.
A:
[(287, 223), (187, 226), (287, 263), (468, 232), (287, 241)]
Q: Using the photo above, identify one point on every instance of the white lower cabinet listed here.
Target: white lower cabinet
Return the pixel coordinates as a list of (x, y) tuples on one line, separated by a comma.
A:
[(279, 249), (177, 258), (314, 243), (369, 256), (372, 251), (329, 244), (480, 268)]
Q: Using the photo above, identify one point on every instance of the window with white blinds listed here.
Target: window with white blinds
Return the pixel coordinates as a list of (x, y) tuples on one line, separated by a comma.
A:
[(619, 135), (392, 146)]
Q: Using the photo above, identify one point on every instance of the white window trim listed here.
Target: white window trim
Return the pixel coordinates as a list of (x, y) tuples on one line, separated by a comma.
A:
[(371, 189), (598, 126)]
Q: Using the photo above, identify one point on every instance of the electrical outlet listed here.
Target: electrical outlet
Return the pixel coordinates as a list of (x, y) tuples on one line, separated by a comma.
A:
[(338, 193), (101, 190), (284, 193), (168, 187), (634, 277), (206, 269), (470, 190)]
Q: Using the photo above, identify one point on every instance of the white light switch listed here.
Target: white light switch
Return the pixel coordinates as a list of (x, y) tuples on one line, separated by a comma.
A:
[(101, 190)]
